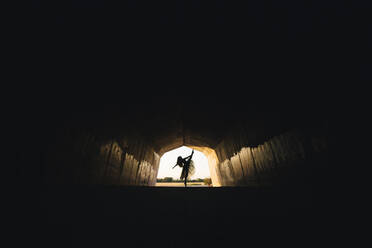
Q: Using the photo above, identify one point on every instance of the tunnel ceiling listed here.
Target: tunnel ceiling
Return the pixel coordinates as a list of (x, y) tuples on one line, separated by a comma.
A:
[(141, 70), (202, 117)]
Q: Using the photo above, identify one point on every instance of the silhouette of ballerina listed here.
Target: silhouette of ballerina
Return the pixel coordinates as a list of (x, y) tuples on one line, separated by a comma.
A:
[(187, 166)]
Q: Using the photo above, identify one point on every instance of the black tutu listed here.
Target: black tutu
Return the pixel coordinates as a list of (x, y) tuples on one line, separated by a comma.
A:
[(190, 167)]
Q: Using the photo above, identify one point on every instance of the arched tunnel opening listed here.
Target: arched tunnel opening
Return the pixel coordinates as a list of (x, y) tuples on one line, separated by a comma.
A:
[(169, 173)]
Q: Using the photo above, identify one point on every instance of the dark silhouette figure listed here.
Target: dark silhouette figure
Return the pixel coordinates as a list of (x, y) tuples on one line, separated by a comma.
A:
[(187, 166)]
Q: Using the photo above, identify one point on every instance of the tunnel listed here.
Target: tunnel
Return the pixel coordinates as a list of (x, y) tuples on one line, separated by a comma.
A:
[(115, 85), (95, 170), (263, 148)]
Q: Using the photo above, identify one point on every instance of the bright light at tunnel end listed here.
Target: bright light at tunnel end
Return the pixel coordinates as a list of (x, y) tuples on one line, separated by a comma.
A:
[(169, 159)]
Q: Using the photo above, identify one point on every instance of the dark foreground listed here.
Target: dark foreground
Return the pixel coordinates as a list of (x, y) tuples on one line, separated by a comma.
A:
[(105, 216)]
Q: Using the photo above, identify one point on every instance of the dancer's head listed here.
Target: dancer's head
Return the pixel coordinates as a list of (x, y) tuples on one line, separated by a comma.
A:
[(179, 160)]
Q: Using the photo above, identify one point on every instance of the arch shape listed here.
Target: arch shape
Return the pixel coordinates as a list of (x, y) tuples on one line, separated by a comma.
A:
[(210, 154)]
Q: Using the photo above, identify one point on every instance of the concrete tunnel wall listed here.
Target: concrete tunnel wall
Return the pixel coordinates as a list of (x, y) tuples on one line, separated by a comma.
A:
[(287, 158), (212, 164), (88, 157)]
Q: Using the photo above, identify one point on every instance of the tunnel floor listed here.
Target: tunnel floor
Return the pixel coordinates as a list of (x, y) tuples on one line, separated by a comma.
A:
[(150, 202), (101, 216)]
